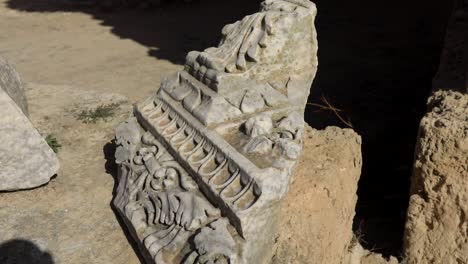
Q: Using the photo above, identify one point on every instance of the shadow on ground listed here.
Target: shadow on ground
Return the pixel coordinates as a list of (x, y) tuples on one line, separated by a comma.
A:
[(376, 62), (112, 169), (20, 251), (110, 165), (169, 32)]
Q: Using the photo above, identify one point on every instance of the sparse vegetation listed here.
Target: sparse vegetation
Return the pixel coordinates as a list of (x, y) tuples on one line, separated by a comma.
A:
[(102, 112), (53, 143)]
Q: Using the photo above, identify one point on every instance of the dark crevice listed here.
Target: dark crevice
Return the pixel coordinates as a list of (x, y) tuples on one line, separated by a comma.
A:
[(376, 63)]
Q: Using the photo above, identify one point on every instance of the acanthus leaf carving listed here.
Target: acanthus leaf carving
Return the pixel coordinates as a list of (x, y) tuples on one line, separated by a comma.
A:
[(204, 162)]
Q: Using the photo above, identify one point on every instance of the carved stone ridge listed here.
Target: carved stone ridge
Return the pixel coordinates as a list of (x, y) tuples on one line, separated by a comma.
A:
[(205, 161)]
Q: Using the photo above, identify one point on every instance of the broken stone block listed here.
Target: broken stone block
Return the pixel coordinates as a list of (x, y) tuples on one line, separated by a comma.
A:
[(193, 186), (26, 161), (11, 83)]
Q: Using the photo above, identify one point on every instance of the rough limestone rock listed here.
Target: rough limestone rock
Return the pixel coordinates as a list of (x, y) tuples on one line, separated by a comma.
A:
[(437, 220), (205, 162), (317, 213), (11, 83), (26, 161)]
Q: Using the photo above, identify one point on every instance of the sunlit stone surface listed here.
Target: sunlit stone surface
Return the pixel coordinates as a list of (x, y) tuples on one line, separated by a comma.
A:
[(204, 162)]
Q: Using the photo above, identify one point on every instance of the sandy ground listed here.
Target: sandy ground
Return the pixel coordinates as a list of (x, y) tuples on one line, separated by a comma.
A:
[(73, 48), (70, 218), (375, 60), (126, 52)]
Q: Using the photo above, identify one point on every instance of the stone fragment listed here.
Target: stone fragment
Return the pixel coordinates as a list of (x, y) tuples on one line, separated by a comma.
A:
[(26, 161), (260, 145), (288, 148), (11, 83), (258, 126), (198, 180), (291, 126)]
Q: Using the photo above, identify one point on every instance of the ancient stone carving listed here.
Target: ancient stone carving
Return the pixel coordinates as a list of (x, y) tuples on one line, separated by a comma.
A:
[(204, 162)]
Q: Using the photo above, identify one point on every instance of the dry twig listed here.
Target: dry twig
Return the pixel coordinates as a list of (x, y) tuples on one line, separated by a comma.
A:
[(327, 106)]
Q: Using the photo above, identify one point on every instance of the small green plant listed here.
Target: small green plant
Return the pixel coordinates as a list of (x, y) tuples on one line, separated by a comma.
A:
[(102, 112), (53, 143)]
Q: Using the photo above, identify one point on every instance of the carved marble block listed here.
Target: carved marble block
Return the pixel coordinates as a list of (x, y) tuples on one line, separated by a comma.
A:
[(204, 162)]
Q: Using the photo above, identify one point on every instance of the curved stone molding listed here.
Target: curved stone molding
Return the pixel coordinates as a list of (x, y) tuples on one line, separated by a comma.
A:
[(204, 163)]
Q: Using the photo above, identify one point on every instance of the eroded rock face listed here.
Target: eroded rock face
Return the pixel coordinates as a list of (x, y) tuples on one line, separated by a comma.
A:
[(26, 161), (205, 161), (11, 83), (317, 215), (437, 223)]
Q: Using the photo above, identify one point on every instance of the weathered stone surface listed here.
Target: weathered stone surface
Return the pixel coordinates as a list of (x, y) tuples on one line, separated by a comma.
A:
[(11, 83), (437, 223), (26, 161), (205, 162), (318, 211)]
